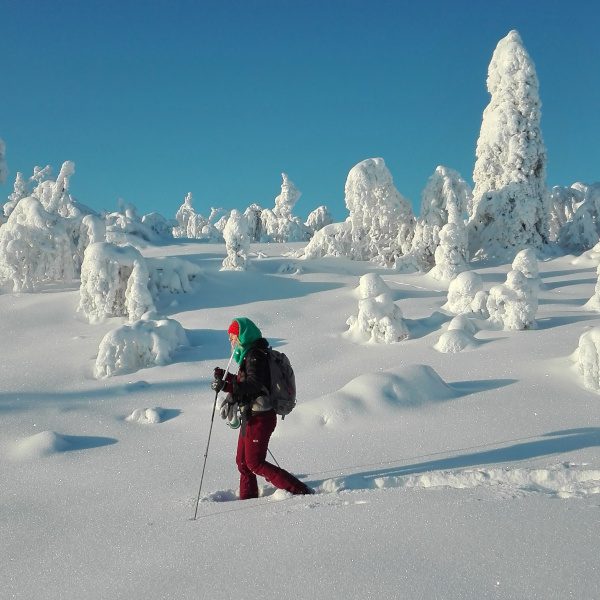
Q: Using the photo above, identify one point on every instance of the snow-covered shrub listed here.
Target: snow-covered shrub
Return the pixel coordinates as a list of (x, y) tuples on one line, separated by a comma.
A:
[(105, 273), (237, 242), (379, 320), (125, 226), (588, 358), (318, 218), (286, 200), (138, 299), (35, 247), (511, 205), (458, 336), (381, 218), (452, 254), (514, 304), (462, 291), (3, 167), (171, 274), (145, 343)]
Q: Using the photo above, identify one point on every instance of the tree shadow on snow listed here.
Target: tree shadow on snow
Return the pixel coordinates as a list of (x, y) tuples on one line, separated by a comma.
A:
[(551, 322), (556, 442), (86, 442), (422, 327), (569, 282)]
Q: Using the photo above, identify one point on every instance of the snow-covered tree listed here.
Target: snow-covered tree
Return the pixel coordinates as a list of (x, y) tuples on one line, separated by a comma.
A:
[(138, 299), (237, 242), (278, 224), (564, 201), (105, 273), (183, 215), (158, 225), (379, 320), (511, 206), (3, 166), (582, 231), (318, 218), (35, 247), (446, 197), (253, 218), (514, 304), (19, 192), (285, 202), (382, 219), (451, 255), (332, 240)]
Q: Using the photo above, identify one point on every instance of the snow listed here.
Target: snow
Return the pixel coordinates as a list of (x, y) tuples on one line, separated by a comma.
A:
[(471, 475)]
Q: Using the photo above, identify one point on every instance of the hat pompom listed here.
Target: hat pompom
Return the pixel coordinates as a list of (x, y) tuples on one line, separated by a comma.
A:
[(234, 328)]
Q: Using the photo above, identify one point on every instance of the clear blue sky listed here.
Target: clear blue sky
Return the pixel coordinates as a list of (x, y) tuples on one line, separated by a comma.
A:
[(157, 98)]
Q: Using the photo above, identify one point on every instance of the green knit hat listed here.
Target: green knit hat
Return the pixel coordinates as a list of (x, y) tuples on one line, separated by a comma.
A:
[(248, 334)]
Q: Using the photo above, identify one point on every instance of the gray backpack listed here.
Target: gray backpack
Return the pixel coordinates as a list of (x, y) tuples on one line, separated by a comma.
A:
[(283, 383)]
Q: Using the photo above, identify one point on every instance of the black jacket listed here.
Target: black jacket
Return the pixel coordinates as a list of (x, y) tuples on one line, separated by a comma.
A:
[(253, 383)]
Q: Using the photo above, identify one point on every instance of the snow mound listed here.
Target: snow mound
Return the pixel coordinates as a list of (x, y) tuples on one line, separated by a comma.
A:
[(144, 343), (146, 416), (39, 445), (459, 335), (374, 395)]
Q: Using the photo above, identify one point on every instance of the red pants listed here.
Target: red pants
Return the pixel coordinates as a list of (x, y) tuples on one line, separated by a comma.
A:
[(251, 459)]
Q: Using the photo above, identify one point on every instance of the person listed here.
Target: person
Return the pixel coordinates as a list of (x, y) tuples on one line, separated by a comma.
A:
[(249, 390)]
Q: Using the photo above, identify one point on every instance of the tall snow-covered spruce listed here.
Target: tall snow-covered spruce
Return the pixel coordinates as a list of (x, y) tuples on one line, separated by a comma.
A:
[(511, 204)]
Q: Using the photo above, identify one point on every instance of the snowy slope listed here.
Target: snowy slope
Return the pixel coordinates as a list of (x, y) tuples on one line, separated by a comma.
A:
[(469, 475)]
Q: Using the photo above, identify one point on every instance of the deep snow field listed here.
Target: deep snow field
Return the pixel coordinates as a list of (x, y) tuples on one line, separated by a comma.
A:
[(470, 475)]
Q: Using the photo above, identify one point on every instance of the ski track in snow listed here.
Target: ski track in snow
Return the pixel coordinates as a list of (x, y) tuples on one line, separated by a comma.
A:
[(563, 480)]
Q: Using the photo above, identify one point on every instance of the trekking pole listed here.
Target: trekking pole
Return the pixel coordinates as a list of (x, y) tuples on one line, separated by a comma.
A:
[(274, 458), (212, 419)]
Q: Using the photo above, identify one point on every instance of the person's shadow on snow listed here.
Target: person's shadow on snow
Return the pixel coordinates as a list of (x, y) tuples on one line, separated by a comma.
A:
[(556, 442)]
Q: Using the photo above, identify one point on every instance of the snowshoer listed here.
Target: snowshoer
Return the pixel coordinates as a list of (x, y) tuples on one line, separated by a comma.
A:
[(250, 392)]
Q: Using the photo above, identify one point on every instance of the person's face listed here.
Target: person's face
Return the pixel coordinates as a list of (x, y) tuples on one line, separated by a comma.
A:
[(233, 339)]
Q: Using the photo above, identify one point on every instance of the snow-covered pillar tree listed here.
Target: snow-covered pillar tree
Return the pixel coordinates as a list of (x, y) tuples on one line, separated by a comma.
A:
[(138, 298), (382, 219), (452, 254), (185, 211), (3, 166), (446, 198), (284, 203), (237, 242), (61, 186), (511, 203)]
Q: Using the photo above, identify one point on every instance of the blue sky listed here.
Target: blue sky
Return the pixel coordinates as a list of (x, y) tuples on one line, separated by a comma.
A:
[(155, 99)]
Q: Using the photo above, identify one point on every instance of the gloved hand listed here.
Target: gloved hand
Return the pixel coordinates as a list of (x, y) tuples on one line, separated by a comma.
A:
[(221, 381), (228, 410)]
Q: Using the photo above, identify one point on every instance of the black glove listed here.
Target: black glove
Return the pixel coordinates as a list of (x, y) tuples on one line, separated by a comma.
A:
[(222, 380)]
